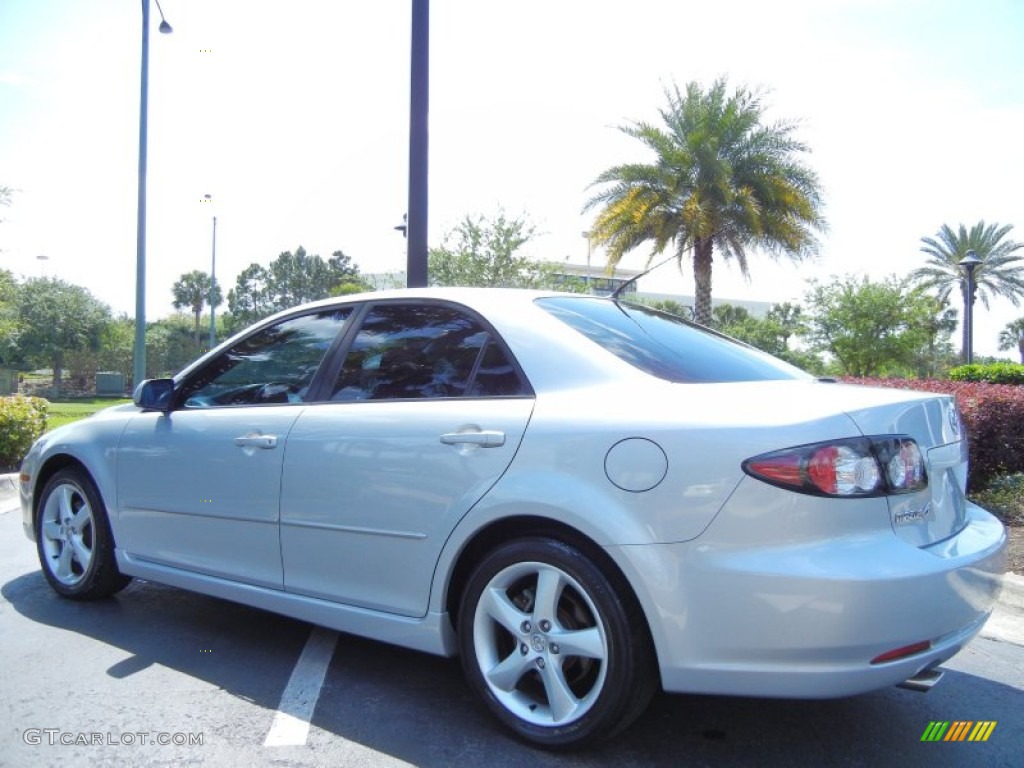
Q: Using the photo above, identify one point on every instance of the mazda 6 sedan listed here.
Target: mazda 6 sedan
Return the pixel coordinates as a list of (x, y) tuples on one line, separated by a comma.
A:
[(583, 498)]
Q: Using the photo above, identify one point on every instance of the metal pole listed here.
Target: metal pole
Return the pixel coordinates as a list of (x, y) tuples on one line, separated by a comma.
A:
[(419, 102), (969, 262), (969, 317), (139, 356), (587, 235), (213, 287)]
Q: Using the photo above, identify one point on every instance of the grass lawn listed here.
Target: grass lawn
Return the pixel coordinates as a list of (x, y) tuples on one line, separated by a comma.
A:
[(63, 412)]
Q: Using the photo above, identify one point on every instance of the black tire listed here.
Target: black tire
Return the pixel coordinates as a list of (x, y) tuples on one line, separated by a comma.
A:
[(73, 539), (594, 653)]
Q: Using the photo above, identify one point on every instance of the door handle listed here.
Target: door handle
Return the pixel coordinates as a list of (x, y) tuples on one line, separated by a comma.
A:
[(253, 440), (484, 439)]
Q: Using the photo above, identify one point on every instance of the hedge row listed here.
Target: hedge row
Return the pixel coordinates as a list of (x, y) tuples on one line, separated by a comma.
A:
[(993, 415), (993, 373), (22, 420)]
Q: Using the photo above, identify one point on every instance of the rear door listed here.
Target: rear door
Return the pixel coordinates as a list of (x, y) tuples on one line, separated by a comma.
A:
[(424, 415)]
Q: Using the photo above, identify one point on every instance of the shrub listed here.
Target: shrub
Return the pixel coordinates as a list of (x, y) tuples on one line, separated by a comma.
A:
[(1004, 497), (991, 373), (22, 421), (993, 415)]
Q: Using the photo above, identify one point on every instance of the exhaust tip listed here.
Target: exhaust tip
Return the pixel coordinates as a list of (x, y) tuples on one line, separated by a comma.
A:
[(923, 681)]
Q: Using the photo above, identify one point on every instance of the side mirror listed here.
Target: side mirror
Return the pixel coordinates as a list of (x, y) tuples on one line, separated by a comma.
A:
[(154, 394)]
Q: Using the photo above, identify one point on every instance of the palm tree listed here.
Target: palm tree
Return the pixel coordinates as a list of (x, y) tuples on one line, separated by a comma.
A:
[(720, 180), (192, 290), (1013, 336), (998, 274)]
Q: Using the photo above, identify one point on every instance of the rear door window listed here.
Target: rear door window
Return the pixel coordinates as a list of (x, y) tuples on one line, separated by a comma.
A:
[(416, 351)]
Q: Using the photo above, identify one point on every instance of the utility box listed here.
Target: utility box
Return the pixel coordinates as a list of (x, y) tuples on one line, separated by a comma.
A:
[(109, 383), (8, 382)]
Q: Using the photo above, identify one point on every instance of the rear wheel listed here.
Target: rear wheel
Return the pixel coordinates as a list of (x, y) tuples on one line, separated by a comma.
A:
[(559, 654), (76, 548)]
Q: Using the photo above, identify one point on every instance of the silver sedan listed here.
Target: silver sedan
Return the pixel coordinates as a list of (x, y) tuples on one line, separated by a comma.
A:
[(583, 498)]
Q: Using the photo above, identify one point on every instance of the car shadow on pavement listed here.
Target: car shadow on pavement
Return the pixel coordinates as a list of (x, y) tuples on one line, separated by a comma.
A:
[(416, 707)]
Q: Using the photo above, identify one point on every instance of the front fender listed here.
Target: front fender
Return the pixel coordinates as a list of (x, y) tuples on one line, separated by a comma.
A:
[(90, 443)]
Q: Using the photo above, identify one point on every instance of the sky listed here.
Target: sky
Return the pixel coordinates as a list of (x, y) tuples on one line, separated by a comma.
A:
[(293, 117)]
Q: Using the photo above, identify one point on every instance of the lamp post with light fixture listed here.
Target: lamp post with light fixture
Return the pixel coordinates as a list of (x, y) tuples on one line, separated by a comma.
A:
[(139, 357), (969, 262), (213, 282)]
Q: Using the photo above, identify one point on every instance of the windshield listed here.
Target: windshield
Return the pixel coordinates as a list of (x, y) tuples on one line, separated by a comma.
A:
[(664, 345)]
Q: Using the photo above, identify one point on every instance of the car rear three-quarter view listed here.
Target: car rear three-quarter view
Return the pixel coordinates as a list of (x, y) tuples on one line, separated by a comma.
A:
[(583, 498)]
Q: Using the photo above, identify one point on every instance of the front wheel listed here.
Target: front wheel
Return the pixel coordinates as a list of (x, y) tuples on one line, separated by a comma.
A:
[(76, 548), (559, 654)]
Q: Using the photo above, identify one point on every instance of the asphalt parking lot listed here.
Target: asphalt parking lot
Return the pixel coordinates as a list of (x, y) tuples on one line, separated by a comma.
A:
[(158, 676)]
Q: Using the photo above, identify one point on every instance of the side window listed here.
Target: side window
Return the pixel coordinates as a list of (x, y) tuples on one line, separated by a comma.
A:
[(274, 365), (496, 376), (407, 351)]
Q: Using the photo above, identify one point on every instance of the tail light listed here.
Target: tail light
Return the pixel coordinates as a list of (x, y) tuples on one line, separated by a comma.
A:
[(857, 467)]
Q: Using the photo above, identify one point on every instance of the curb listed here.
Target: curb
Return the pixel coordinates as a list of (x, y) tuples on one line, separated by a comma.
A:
[(1012, 594)]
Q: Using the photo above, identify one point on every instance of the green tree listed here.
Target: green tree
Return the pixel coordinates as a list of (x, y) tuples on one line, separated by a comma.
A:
[(57, 318), (192, 291), (289, 280), (169, 345), (1012, 337), (870, 328), (999, 273), (721, 181), (788, 318), (770, 333), (486, 252), (9, 329), (116, 347)]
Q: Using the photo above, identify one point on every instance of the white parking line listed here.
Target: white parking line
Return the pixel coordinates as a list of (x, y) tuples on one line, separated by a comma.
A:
[(291, 723)]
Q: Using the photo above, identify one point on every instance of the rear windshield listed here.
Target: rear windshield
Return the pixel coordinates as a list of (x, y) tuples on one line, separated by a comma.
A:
[(664, 345)]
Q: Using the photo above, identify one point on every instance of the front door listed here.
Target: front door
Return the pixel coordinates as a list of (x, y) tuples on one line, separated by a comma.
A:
[(199, 487)]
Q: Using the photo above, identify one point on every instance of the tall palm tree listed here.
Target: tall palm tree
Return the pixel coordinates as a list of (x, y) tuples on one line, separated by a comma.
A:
[(998, 274), (721, 180), (192, 290), (1013, 336)]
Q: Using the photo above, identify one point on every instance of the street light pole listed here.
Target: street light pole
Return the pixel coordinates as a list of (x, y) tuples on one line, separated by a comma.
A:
[(213, 287), (213, 281), (586, 234), (969, 262), (419, 101), (139, 361)]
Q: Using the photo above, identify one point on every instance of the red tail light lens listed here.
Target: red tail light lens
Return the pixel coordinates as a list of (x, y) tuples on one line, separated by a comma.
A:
[(857, 467)]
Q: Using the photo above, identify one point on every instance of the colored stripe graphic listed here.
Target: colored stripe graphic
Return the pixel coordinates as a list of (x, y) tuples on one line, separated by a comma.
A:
[(959, 730), (982, 730), (935, 730)]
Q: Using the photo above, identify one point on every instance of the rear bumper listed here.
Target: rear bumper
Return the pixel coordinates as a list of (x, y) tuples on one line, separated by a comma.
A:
[(805, 619)]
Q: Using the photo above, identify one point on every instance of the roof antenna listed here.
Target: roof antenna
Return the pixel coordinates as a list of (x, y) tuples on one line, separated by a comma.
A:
[(621, 288)]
